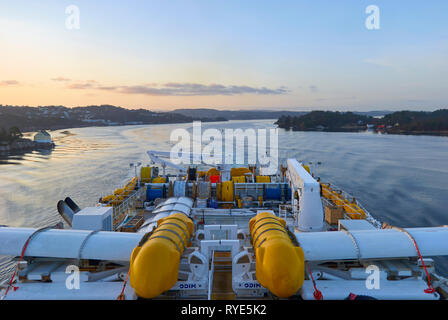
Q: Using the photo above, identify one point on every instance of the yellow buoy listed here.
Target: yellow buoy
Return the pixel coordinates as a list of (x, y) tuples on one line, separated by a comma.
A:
[(155, 263), (280, 266)]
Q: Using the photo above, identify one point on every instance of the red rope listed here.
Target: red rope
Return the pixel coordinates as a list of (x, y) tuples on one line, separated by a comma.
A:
[(15, 271), (430, 288), (317, 294), (121, 296)]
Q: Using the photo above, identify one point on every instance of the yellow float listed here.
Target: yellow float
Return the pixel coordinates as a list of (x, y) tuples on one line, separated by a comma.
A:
[(154, 264), (351, 208), (280, 266)]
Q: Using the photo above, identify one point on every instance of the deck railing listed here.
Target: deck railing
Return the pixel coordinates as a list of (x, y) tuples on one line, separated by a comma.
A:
[(128, 206), (347, 195)]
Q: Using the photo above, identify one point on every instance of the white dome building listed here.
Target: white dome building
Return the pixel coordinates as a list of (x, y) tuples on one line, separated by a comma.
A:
[(42, 137)]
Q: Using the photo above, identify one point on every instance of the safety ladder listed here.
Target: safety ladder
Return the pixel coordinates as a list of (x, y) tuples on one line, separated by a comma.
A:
[(220, 280)]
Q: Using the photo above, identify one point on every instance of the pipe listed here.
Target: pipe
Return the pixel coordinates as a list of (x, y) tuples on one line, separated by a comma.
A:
[(67, 244), (279, 264), (317, 246), (66, 212), (373, 244)]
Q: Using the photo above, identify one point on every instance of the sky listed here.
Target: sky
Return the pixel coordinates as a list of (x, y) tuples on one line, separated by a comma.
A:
[(225, 54)]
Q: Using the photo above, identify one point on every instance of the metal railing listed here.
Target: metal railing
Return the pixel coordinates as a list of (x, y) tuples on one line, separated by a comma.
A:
[(347, 196), (210, 276), (127, 207)]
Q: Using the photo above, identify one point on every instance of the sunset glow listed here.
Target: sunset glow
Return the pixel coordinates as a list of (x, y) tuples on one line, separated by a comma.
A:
[(162, 55)]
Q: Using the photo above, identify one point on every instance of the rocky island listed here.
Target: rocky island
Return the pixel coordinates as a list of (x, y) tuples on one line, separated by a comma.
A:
[(401, 122), (12, 141)]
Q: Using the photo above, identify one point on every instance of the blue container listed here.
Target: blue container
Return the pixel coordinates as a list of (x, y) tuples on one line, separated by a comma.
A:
[(152, 194), (212, 203), (273, 193)]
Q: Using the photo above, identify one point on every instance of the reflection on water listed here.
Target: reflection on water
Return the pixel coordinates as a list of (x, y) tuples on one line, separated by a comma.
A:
[(17, 157), (399, 179)]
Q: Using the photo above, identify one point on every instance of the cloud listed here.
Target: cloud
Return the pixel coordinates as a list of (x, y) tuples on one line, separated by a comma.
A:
[(313, 88), (6, 83), (86, 85), (183, 89), (61, 79)]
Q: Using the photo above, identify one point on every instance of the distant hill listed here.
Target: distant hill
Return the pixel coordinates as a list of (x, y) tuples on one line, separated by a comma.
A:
[(257, 114), (60, 117), (237, 114), (325, 121), (417, 122)]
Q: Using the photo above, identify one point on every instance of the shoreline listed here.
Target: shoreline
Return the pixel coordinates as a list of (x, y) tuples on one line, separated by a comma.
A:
[(55, 128), (24, 144), (357, 130)]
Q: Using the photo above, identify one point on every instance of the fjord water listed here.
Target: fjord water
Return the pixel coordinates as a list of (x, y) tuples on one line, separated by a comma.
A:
[(402, 180)]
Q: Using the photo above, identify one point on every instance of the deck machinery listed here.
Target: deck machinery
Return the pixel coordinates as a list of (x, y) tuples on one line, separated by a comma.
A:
[(224, 232)]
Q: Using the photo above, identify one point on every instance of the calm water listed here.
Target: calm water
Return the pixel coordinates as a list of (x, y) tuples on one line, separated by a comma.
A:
[(400, 179)]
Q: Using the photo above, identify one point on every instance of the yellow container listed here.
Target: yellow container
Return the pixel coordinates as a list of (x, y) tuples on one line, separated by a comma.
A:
[(227, 191), (236, 172), (219, 191), (280, 266), (154, 264), (239, 179), (212, 172), (263, 179), (145, 174), (159, 180), (307, 168)]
